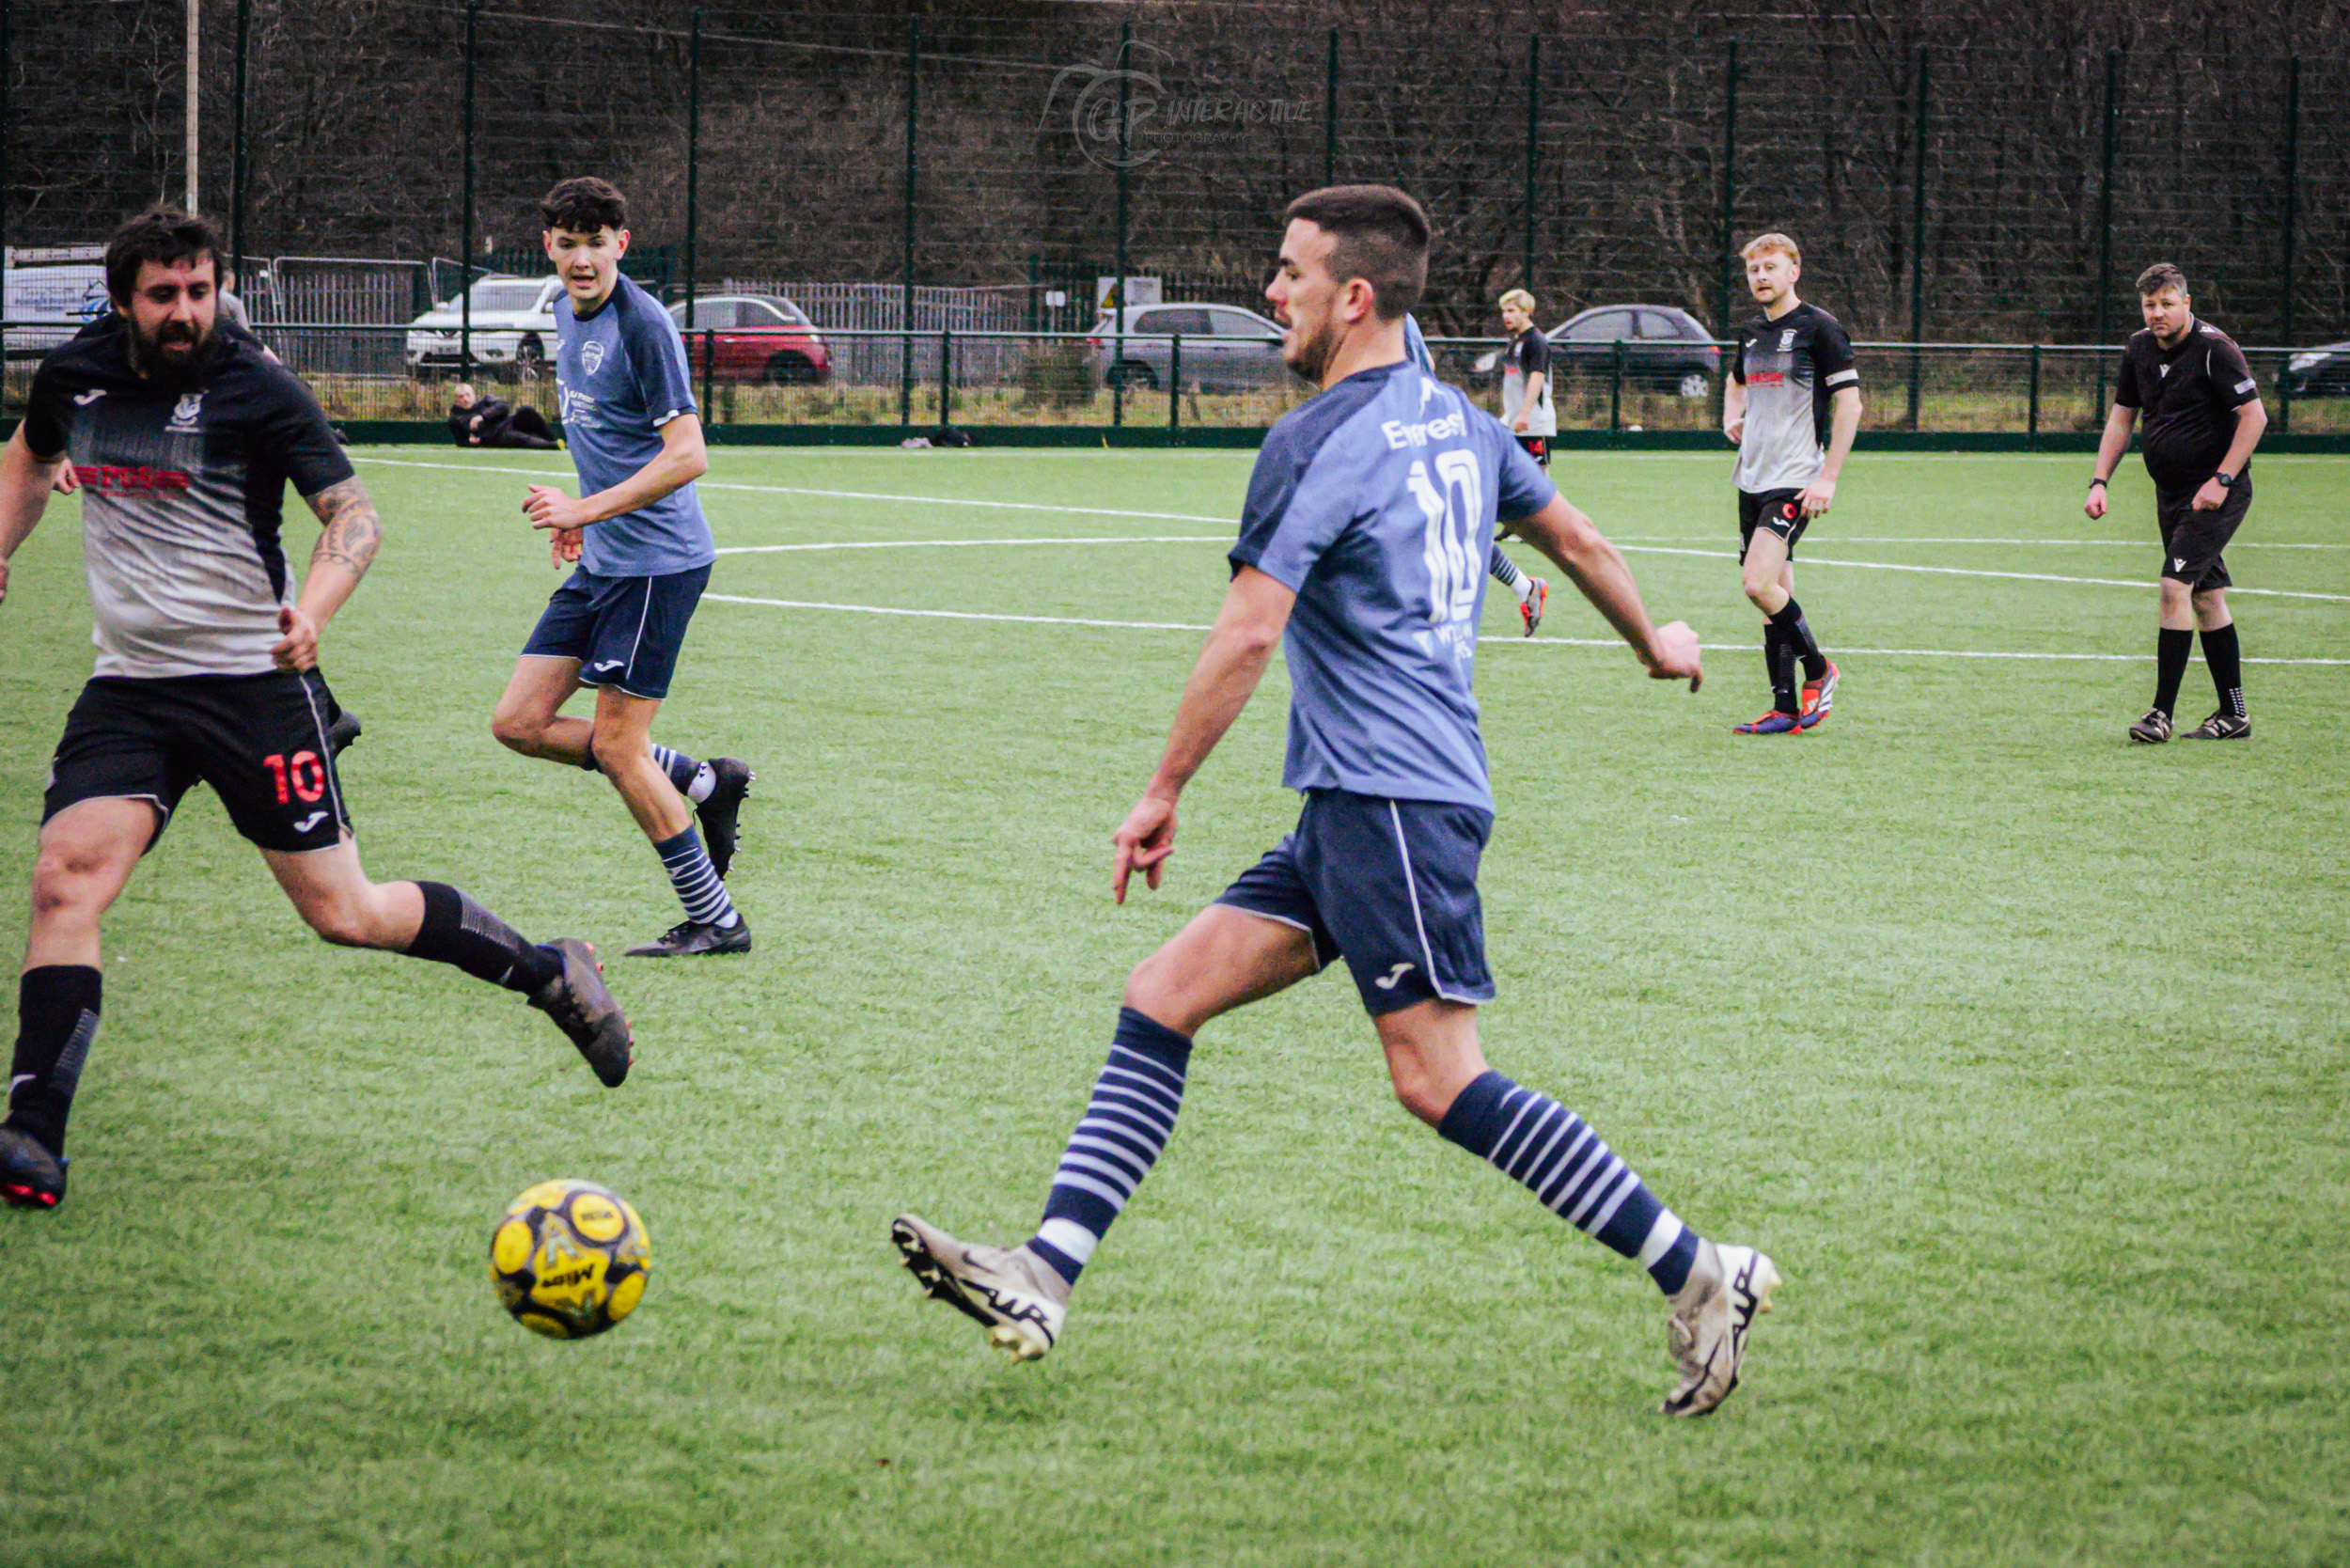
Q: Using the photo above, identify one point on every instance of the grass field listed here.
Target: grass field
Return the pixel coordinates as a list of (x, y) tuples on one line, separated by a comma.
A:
[(2025, 1051)]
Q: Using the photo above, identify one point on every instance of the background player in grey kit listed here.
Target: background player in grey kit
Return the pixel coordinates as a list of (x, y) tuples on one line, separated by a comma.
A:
[(185, 437), (2203, 417), (644, 553), (1792, 408), (1368, 517)]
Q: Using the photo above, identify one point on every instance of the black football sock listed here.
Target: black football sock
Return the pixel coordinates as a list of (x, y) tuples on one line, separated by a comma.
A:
[(2170, 651), (2225, 660), (1779, 648), (1797, 632), (1771, 642), (56, 1019), (458, 931)]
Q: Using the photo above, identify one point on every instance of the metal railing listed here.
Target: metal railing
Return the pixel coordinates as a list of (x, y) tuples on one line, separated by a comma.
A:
[(809, 379)]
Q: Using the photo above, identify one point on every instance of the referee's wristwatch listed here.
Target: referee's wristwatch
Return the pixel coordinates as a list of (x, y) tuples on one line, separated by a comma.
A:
[(2094, 481), (2224, 479)]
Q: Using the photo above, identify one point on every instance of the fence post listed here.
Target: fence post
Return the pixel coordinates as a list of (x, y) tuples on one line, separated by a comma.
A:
[(2292, 213), (946, 376), (1330, 113), (693, 172), (709, 374), (1175, 381), (905, 285), (1918, 242), (237, 150), (1117, 355), (1533, 130), (2031, 403), (1729, 177), (5, 60), (2105, 220), (1615, 392), (464, 260)]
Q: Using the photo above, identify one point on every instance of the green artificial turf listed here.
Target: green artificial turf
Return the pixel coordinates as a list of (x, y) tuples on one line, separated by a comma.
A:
[(2022, 1049)]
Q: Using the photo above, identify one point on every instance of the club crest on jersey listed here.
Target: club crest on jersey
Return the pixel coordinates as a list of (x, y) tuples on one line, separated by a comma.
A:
[(590, 356), (1787, 341), (185, 413)]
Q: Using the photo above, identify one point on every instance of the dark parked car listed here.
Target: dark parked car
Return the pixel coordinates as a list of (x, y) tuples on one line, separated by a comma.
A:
[(2321, 372), (1666, 350), (757, 337)]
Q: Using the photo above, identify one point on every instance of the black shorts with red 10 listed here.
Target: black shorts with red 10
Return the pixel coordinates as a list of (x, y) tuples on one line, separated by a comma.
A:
[(259, 740)]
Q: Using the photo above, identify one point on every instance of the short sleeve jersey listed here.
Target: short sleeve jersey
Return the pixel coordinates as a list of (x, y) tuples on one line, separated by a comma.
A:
[(1375, 502), (2189, 395), (182, 497), (1792, 369), (624, 375), (1527, 355)]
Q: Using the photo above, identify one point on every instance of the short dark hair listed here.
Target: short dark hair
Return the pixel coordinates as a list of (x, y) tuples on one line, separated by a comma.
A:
[(1381, 237), (161, 234), (2161, 275), (583, 205)]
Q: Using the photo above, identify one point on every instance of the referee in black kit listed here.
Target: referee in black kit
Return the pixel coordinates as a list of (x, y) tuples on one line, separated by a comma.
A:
[(2203, 417)]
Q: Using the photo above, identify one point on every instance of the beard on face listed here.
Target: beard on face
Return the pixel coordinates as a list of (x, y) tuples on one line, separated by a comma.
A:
[(1314, 350), (179, 369)]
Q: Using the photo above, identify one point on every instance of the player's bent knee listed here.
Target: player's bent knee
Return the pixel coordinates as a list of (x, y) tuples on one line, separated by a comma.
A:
[(518, 731)]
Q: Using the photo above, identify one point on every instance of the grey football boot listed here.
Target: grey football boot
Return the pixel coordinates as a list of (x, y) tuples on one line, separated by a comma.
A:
[(1728, 1288), (1021, 1298)]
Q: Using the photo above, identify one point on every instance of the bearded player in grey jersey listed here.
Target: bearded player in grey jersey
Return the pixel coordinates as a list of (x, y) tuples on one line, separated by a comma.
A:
[(183, 435), (1792, 407)]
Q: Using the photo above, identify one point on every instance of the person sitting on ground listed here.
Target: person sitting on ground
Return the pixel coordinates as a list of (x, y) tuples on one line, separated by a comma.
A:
[(478, 421)]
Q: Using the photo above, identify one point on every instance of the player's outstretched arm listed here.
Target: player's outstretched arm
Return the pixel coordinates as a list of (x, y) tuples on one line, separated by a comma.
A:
[(1560, 531), (24, 481), (349, 536), (1238, 646), (684, 458)]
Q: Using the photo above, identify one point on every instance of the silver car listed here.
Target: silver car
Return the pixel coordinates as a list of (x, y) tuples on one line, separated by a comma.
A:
[(1225, 349)]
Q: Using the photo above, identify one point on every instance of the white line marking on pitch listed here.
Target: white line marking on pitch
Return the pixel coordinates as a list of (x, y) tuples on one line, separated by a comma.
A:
[(1555, 642), (1193, 517), (964, 543)]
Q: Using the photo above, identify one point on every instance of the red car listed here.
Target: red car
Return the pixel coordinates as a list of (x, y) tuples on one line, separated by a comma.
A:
[(757, 337)]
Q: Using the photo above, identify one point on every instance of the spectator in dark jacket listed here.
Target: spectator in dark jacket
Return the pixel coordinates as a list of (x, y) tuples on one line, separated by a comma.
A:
[(478, 421)]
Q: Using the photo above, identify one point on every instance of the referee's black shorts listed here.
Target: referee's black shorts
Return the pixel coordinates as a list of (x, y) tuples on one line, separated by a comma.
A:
[(2192, 541), (259, 740)]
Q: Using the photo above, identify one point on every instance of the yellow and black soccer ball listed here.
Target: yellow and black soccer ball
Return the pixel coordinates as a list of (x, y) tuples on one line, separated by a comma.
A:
[(569, 1258)]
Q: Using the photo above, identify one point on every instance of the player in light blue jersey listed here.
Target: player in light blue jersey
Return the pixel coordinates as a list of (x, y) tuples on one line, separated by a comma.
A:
[(1366, 521), (644, 553), (1533, 592)]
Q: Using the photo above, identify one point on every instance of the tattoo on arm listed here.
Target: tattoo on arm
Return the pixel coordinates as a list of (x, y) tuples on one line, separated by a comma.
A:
[(351, 531)]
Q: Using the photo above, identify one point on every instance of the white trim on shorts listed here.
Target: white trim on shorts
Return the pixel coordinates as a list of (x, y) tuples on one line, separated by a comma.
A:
[(1420, 925)]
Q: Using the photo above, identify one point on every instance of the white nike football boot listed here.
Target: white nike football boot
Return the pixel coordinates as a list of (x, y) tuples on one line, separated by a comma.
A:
[(1727, 1289), (1020, 1297)]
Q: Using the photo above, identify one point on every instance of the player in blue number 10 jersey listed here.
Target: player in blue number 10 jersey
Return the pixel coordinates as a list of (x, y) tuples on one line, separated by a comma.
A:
[(1361, 551)]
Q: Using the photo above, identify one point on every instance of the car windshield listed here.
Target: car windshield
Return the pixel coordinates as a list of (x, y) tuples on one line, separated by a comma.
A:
[(505, 295)]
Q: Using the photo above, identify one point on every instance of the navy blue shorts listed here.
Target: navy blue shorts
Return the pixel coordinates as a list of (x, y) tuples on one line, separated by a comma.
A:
[(625, 632), (1391, 885)]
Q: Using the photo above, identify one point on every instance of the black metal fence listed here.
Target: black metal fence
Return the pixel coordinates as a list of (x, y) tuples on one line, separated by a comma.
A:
[(1067, 155)]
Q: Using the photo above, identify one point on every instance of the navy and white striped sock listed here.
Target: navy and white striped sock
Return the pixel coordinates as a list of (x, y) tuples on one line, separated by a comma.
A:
[(1537, 1141), (694, 780), (1505, 572), (697, 880), (1119, 1138)]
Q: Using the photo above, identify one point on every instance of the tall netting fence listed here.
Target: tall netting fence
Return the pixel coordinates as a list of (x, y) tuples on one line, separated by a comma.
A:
[(1058, 214)]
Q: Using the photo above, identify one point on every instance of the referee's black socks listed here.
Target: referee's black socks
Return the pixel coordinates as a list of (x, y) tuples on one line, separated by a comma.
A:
[(458, 931), (2224, 658), (56, 1020), (2170, 651)]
